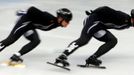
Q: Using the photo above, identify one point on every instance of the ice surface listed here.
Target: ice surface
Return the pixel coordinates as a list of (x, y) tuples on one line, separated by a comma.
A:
[(119, 61)]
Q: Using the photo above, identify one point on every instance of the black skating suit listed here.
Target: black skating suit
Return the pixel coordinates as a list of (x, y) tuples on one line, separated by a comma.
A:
[(27, 25), (96, 25)]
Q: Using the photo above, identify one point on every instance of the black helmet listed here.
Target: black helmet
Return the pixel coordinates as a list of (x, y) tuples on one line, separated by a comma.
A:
[(132, 13), (64, 13)]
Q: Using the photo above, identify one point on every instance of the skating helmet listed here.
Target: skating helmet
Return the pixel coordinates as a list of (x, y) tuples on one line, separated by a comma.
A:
[(132, 13), (64, 13)]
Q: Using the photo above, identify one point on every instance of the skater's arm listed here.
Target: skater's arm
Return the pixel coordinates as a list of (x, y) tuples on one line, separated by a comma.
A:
[(46, 28)]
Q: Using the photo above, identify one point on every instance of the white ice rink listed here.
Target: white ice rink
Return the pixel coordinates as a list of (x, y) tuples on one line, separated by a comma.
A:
[(119, 61)]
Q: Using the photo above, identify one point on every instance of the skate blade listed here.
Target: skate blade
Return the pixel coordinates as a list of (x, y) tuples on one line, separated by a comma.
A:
[(16, 65), (92, 66), (58, 66)]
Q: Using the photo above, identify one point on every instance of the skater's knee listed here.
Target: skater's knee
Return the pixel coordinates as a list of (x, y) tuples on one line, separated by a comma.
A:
[(113, 42), (37, 42)]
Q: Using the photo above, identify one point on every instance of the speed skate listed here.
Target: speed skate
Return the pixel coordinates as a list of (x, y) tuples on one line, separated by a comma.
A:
[(13, 64)]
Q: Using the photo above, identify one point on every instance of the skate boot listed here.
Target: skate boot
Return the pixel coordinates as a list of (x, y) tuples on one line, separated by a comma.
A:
[(93, 61), (16, 59), (62, 60)]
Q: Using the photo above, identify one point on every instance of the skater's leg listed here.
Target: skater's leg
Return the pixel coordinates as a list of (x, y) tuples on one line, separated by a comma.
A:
[(19, 29), (110, 42), (73, 46), (33, 37)]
